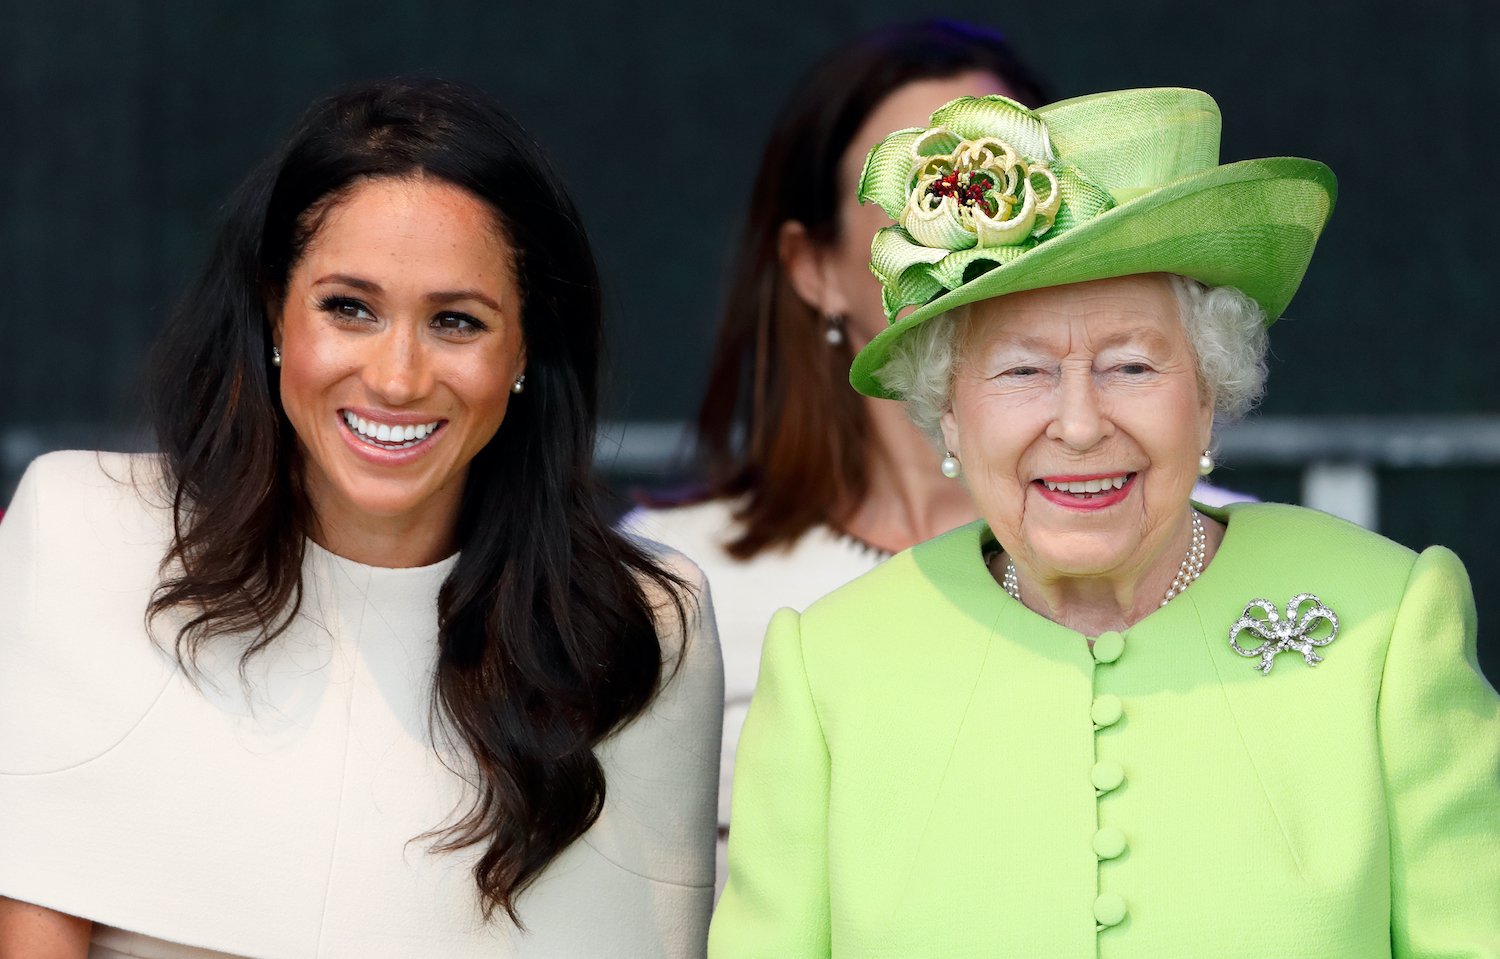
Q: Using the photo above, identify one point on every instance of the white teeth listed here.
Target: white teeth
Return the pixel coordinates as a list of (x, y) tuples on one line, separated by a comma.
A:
[(1088, 486), (401, 435)]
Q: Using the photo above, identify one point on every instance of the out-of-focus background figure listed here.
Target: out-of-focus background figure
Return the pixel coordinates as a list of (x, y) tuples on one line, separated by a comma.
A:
[(809, 484)]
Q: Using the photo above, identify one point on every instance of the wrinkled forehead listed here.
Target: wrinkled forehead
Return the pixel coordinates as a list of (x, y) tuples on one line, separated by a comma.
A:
[(1134, 311)]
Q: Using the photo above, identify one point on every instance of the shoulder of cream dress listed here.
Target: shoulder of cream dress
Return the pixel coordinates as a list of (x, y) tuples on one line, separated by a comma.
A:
[(288, 811)]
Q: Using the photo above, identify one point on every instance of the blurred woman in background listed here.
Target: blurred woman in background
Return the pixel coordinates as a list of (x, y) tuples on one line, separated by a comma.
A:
[(808, 483)]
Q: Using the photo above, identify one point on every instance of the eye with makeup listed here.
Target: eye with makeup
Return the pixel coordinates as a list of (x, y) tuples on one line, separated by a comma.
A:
[(345, 308), (458, 324)]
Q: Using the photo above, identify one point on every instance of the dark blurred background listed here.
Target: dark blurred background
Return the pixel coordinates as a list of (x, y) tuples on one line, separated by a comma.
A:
[(123, 125)]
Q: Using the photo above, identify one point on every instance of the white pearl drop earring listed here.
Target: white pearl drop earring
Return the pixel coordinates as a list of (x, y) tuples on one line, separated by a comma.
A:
[(833, 329), (950, 466), (275, 356), (1205, 463), (519, 384)]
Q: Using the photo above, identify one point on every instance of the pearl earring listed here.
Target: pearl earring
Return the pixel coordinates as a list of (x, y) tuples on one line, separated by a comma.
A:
[(950, 466), (833, 329), (519, 384), (1205, 463), (275, 356)]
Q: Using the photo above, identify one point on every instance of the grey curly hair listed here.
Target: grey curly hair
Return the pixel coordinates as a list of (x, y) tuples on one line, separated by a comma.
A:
[(1226, 329)]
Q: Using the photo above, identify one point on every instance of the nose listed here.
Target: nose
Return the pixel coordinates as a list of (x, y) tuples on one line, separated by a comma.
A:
[(1079, 420), (398, 371)]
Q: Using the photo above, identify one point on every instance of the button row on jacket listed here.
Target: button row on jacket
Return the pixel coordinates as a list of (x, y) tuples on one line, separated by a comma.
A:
[(1108, 647), (1109, 842)]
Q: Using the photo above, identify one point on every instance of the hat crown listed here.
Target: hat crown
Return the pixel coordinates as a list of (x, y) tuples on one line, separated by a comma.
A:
[(1130, 141)]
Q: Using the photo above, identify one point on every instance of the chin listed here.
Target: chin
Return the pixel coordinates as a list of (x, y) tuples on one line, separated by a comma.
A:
[(387, 500), (1081, 555)]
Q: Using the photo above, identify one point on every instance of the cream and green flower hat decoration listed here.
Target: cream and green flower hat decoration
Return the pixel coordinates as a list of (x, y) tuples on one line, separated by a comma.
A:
[(995, 198)]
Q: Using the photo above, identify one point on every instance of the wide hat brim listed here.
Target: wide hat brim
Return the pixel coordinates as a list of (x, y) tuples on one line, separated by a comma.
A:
[(1250, 225)]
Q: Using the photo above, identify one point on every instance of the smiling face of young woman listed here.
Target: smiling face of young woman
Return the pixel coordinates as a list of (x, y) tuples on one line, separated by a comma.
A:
[(400, 339), (1079, 419)]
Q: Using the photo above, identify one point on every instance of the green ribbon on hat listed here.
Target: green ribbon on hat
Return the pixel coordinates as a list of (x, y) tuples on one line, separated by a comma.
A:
[(974, 191)]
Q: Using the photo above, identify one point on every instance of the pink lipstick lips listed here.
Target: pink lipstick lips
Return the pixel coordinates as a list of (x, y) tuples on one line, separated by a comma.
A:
[(1089, 492), (389, 438)]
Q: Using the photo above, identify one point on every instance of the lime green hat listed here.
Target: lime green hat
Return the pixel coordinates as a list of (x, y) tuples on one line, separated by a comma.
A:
[(995, 198)]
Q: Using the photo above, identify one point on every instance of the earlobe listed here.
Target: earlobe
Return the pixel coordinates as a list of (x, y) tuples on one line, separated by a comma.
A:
[(949, 424), (1207, 414), (518, 382)]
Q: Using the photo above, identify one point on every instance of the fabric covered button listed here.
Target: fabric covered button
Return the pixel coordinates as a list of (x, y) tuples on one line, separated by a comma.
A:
[(1109, 909), (1107, 775), (1108, 647), (1109, 843), (1107, 710)]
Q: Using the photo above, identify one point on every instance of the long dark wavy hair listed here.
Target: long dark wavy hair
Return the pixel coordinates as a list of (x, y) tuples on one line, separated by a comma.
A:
[(547, 628), (780, 425)]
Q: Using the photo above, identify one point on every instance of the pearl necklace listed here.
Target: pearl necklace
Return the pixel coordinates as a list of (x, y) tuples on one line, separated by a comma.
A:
[(1191, 568)]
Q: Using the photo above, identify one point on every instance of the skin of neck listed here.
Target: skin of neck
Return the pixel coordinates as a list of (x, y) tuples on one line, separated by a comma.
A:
[(908, 500), (1095, 604)]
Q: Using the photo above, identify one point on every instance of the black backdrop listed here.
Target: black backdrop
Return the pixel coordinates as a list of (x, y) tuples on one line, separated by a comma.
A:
[(124, 124)]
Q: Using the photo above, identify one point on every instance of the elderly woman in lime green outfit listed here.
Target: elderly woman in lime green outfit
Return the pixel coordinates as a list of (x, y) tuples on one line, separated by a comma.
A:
[(1105, 720)]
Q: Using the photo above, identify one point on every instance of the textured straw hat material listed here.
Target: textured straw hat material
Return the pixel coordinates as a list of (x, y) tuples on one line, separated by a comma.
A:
[(995, 199)]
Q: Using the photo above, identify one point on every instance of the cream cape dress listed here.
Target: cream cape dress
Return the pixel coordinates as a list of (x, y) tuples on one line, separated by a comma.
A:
[(281, 816)]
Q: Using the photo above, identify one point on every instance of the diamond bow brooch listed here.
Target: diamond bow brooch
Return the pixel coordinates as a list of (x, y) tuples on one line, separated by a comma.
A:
[(1305, 615)]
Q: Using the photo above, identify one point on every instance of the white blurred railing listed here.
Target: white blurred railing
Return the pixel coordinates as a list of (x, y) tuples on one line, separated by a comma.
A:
[(1338, 457)]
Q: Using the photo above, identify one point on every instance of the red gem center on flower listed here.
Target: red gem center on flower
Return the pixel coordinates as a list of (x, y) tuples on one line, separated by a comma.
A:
[(967, 188)]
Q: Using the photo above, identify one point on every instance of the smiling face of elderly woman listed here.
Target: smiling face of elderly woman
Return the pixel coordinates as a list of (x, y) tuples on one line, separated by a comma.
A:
[(1079, 417)]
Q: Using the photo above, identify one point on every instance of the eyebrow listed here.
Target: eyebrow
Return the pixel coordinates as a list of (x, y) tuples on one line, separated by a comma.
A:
[(436, 297)]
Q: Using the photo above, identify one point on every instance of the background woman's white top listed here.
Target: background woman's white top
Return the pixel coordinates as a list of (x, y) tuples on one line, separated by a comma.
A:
[(283, 815), (746, 593)]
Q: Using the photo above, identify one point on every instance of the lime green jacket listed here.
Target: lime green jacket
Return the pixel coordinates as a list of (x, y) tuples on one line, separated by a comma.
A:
[(930, 769)]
